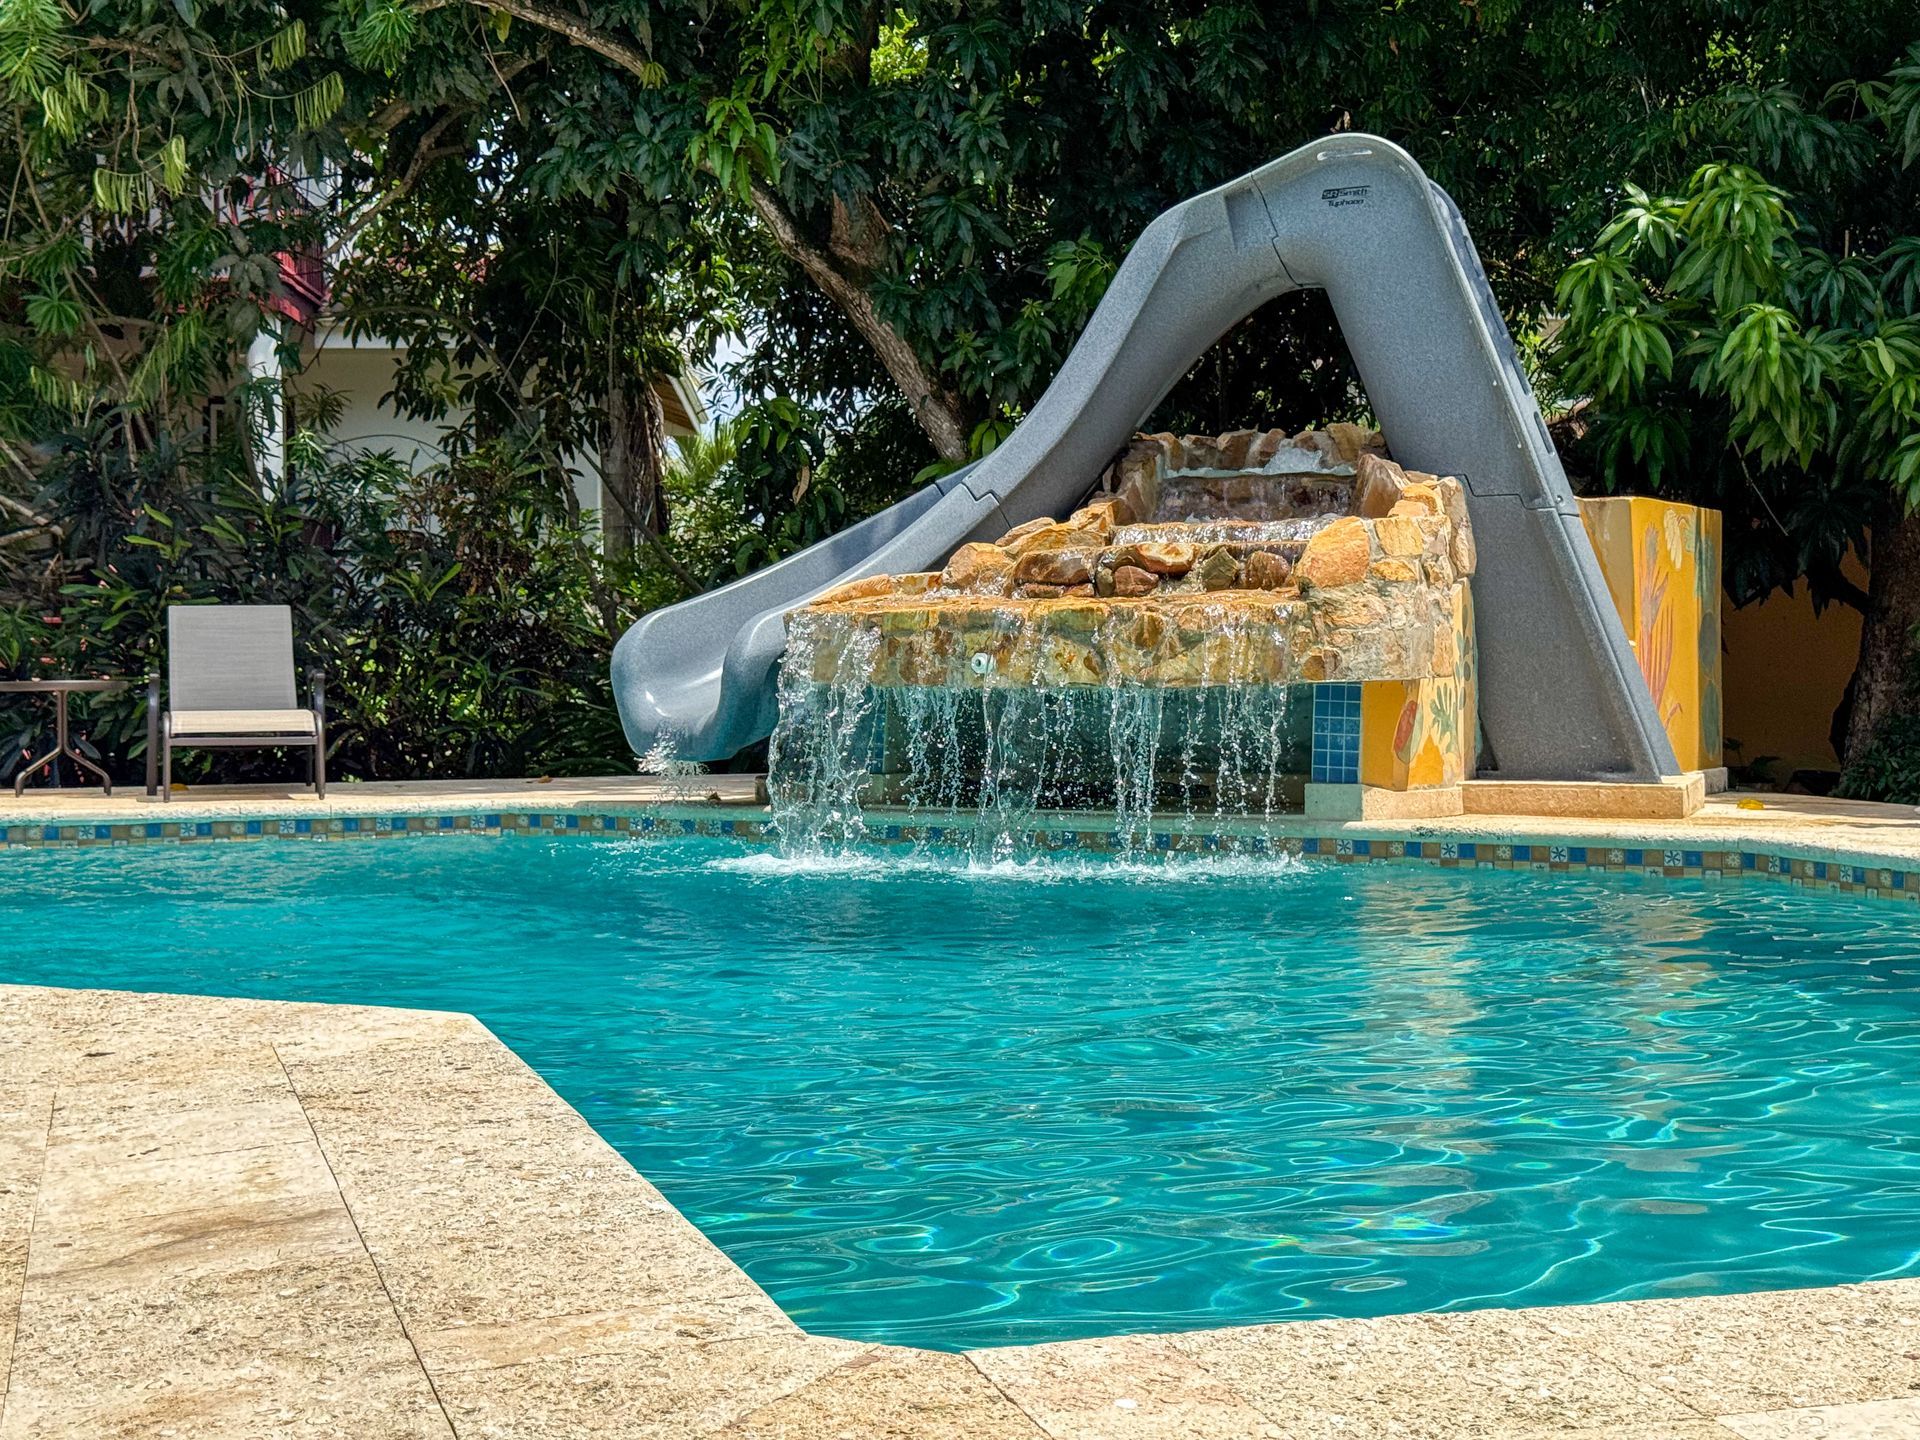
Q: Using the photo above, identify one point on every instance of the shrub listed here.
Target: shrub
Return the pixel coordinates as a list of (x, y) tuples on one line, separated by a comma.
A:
[(464, 625)]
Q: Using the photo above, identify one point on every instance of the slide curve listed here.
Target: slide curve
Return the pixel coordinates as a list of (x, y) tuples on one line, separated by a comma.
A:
[(1561, 696)]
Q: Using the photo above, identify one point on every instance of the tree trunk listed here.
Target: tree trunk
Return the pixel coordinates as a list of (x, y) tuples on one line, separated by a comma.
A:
[(1881, 679), (630, 462)]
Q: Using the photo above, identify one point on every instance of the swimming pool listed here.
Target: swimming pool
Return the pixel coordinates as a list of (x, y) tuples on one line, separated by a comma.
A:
[(930, 1104)]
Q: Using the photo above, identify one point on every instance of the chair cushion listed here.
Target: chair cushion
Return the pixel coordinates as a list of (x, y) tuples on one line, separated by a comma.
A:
[(244, 722)]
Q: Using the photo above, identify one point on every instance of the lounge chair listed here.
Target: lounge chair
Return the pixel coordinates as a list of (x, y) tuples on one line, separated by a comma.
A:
[(230, 685)]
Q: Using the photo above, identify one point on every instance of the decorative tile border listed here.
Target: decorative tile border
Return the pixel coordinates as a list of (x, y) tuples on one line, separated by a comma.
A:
[(1860, 875), (375, 827)]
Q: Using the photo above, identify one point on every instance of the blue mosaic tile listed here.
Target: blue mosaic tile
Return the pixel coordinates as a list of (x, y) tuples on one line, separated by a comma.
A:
[(1336, 734)]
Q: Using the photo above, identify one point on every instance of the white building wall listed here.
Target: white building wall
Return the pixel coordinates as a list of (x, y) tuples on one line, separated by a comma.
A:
[(361, 373)]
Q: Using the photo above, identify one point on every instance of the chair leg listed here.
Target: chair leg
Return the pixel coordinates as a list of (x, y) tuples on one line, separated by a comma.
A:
[(320, 766), (166, 770)]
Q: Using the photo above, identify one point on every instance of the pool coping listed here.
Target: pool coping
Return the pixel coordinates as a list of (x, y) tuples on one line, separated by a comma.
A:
[(223, 1216), (1852, 847)]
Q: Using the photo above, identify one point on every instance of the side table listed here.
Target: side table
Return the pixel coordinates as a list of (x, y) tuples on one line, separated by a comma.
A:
[(60, 690)]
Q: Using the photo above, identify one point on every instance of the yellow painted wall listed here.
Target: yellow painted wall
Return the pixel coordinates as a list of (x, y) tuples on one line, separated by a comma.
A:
[(1662, 566), (1415, 734), (1786, 671)]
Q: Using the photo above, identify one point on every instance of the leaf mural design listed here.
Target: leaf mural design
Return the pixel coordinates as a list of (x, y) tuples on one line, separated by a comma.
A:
[(1654, 640), (1706, 589)]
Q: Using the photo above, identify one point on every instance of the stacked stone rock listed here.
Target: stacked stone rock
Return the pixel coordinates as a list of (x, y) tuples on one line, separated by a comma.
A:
[(1250, 557)]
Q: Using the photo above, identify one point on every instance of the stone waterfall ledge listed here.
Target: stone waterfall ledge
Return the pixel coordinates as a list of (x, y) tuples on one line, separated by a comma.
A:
[(1368, 631), (1245, 559)]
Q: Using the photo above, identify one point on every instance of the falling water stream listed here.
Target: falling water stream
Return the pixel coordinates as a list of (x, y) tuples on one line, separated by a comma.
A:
[(997, 758)]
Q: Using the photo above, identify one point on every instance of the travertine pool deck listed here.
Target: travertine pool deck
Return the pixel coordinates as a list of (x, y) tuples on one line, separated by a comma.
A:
[(372, 797), (236, 1218)]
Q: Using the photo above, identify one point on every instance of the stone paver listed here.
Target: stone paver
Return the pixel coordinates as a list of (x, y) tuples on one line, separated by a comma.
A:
[(372, 797), (1135, 1387), (241, 1218), (1435, 1377), (1736, 1354), (892, 1394), (1870, 1420)]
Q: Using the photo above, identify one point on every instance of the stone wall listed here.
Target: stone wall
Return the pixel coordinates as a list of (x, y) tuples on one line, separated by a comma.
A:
[(1247, 558)]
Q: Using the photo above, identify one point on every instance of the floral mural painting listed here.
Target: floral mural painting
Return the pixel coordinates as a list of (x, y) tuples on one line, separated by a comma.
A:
[(1706, 588), (1654, 642), (1662, 566)]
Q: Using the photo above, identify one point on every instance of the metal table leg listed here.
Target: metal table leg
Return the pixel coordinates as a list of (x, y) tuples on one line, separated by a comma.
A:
[(61, 747)]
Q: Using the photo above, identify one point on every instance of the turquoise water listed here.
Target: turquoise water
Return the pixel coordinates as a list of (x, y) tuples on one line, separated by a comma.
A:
[(932, 1105)]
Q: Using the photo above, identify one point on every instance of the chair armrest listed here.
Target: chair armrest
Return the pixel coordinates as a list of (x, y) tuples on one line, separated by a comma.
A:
[(153, 731), (317, 678)]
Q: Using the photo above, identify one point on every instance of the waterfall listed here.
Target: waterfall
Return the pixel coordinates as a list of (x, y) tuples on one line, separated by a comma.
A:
[(1001, 753), (818, 763)]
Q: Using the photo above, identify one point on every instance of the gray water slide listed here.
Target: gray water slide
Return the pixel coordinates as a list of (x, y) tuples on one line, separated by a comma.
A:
[(1561, 697)]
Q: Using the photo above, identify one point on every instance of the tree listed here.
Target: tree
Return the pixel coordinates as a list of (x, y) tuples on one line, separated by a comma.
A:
[(153, 162), (956, 182), (1759, 351)]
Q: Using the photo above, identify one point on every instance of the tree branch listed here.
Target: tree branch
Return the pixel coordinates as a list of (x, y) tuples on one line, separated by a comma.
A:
[(935, 408), (575, 28), (425, 153)]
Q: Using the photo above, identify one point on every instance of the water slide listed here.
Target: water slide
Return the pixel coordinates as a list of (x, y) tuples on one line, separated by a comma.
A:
[(1561, 697)]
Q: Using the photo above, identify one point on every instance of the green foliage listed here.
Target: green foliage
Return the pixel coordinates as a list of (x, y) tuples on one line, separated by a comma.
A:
[(1758, 350), (150, 152), (453, 611), (777, 485), (709, 529), (1889, 770)]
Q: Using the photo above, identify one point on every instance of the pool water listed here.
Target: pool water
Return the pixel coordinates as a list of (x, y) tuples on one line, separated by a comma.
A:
[(931, 1104)]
